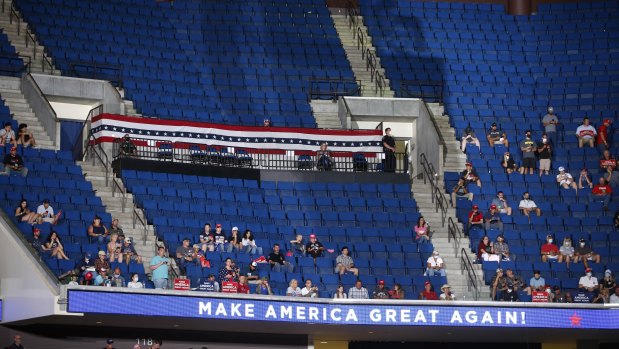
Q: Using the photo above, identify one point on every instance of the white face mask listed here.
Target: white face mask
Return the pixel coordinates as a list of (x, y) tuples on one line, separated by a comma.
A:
[(135, 279), (589, 274), (568, 244), (550, 241), (544, 140), (582, 244)]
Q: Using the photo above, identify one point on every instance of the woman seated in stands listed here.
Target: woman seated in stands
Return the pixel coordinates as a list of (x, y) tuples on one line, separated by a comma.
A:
[(23, 213), (397, 292), (53, 243), (422, 230), (114, 249), (323, 158), (97, 230), (485, 251), (566, 251), (25, 137), (249, 244)]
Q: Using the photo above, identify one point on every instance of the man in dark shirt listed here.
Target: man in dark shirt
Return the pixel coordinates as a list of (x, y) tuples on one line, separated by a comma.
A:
[(470, 175), (37, 243), (184, 255), (219, 238), (277, 260), (544, 150), (252, 273), (389, 150), (510, 295), (314, 247), (380, 292), (16, 343), (13, 162), (492, 219), (127, 147), (585, 253)]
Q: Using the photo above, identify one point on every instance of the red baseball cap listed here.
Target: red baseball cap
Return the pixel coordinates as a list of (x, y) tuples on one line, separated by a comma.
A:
[(427, 283), (218, 225), (381, 282), (588, 270), (493, 207), (13, 149), (469, 164), (312, 236), (36, 230), (475, 207), (608, 121)]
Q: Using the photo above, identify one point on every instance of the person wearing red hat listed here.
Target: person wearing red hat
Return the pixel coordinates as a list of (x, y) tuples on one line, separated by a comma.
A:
[(13, 162), (602, 141), (492, 219), (428, 293), (314, 247), (588, 282), (470, 175), (476, 219), (37, 243), (381, 291)]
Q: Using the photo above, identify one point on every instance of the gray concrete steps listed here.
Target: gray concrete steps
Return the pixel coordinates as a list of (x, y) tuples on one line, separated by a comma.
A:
[(326, 114)]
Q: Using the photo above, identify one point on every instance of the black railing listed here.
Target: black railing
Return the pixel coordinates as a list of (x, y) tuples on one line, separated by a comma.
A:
[(431, 91), (466, 268), (83, 138), (333, 88), (352, 12), (438, 198), (93, 70), (259, 158), (454, 235), (96, 152), (136, 217)]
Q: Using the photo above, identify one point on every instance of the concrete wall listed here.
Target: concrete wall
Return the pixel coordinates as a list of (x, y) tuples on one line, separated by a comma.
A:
[(40, 106), (96, 90)]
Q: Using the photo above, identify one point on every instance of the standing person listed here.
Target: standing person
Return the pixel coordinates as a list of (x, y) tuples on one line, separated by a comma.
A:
[(16, 343), (585, 133), (544, 150), (602, 141), (528, 147), (13, 162), (389, 151), (159, 266), (324, 161), (550, 122), (7, 135)]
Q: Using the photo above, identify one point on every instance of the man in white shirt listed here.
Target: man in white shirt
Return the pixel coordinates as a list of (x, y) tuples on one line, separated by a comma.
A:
[(614, 298), (586, 133), (565, 179), (46, 213), (435, 265), (527, 205), (588, 282)]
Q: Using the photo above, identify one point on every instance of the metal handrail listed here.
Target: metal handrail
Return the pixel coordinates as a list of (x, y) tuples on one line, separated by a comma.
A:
[(360, 40), (334, 88), (438, 198), (12, 14), (454, 233), (471, 277), (92, 145), (97, 67), (115, 185), (437, 88), (81, 144), (136, 217)]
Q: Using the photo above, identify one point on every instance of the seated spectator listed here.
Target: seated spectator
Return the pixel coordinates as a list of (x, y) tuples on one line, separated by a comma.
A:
[(485, 250), (97, 231), (243, 286), (114, 249), (537, 282), (609, 164), (527, 205), (460, 190), (209, 285), (13, 162), (135, 282), (584, 180), (117, 279), (528, 147), (601, 192), (23, 213), (550, 251), (185, 255), (550, 122), (585, 133), (585, 254), (501, 204), (310, 290), (509, 295), (116, 229), (358, 291), (249, 245), (54, 244), (234, 240), (7, 136), (422, 230), (278, 261), (340, 293), (603, 297), (602, 141), (447, 294), (314, 247), (515, 280), (207, 240), (297, 246), (501, 248), (344, 263), (614, 298), (608, 281), (103, 279), (380, 292), (435, 265), (252, 274), (229, 272), (476, 219), (129, 253), (470, 175), (566, 251), (83, 266), (264, 288), (324, 161), (266, 123), (492, 219), (101, 262), (469, 137), (544, 151), (566, 180), (127, 147), (496, 136), (397, 292), (558, 296), (588, 282), (25, 137), (219, 238), (293, 289), (428, 293), (38, 244), (509, 165)]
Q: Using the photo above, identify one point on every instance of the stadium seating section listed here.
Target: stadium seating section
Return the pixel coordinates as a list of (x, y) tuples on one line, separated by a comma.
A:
[(508, 69), (213, 61), (10, 63)]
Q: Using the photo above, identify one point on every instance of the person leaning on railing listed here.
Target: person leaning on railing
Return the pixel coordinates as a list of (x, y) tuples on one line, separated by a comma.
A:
[(127, 147), (324, 162)]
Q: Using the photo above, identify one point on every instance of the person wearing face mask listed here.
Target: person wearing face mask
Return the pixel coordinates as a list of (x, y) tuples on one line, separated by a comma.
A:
[(528, 147), (435, 265), (544, 150), (135, 282), (566, 251), (510, 295), (510, 166), (389, 150), (550, 122), (565, 180), (585, 253), (588, 282), (550, 251)]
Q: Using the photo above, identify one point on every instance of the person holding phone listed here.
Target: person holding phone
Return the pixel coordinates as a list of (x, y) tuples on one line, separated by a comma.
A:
[(159, 266)]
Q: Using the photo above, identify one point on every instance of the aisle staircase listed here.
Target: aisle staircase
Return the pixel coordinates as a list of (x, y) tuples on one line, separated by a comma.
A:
[(455, 160), (326, 114)]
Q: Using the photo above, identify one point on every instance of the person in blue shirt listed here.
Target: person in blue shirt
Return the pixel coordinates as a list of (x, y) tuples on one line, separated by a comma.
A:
[(159, 266)]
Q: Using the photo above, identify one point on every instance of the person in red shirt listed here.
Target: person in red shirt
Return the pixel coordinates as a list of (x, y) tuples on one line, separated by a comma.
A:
[(476, 218), (428, 294), (550, 251), (601, 140), (601, 192), (609, 164), (243, 286)]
